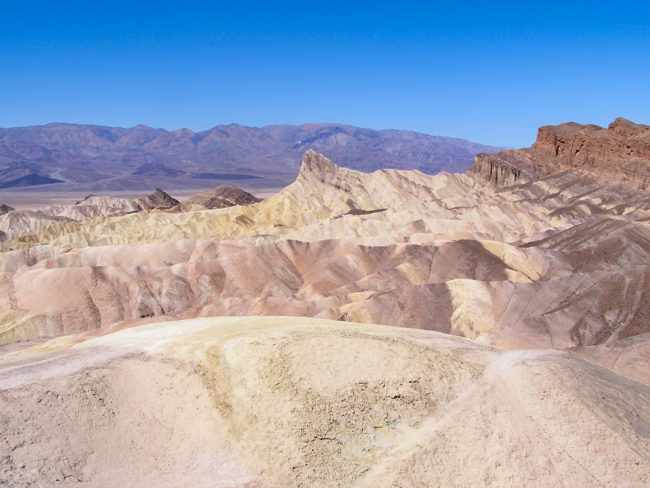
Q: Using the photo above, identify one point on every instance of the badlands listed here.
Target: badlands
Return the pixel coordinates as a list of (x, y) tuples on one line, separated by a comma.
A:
[(355, 329)]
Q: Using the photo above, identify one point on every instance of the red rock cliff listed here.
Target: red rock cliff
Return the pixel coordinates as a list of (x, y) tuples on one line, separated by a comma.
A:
[(619, 153)]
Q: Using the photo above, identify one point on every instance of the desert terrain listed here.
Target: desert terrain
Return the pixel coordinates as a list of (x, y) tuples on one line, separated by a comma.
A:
[(80, 159), (392, 328)]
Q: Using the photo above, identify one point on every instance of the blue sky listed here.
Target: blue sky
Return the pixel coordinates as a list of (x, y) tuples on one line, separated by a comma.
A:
[(490, 72)]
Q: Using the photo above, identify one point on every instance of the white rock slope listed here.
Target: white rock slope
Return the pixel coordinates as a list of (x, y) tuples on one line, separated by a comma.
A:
[(279, 401)]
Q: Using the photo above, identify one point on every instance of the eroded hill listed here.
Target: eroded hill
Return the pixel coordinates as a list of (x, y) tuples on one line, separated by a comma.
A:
[(619, 153), (559, 262), (118, 313)]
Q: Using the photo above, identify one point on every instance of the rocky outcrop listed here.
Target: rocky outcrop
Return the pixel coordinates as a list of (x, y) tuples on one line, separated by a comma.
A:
[(20, 222), (5, 208), (590, 145), (561, 262), (157, 200), (500, 169), (223, 196), (619, 153)]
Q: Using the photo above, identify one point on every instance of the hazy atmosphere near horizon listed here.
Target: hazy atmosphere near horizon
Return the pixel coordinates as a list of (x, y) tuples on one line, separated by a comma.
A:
[(490, 72)]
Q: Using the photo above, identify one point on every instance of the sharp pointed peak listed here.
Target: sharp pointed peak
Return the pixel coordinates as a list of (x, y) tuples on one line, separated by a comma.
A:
[(315, 162)]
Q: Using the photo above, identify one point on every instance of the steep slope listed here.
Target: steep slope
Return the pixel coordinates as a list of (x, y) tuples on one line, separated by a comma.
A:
[(280, 401), (20, 222), (558, 262), (222, 196), (619, 153)]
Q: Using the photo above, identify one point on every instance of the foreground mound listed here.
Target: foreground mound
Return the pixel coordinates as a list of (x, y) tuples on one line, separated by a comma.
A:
[(278, 401)]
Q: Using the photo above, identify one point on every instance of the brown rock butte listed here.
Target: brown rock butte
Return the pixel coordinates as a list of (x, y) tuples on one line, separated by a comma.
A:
[(619, 153), (222, 196)]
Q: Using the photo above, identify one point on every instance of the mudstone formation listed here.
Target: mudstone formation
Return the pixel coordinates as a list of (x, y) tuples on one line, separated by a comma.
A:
[(227, 341)]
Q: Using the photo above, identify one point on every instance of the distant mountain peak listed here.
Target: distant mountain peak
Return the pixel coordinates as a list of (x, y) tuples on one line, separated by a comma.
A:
[(91, 158)]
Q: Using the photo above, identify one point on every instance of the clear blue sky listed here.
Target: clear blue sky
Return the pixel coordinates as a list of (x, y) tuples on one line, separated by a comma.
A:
[(490, 72)]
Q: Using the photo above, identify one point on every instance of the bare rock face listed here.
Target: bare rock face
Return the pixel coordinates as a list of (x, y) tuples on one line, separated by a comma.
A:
[(129, 326), (619, 153), (5, 208), (223, 196), (505, 167), (157, 200), (24, 222), (622, 141)]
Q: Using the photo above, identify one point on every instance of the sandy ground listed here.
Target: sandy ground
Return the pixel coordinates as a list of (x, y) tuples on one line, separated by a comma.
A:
[(279, 401)]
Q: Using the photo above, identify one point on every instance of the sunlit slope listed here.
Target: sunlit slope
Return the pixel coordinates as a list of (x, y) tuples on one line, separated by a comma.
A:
[(326, 201), (278, 401), (558, 262)]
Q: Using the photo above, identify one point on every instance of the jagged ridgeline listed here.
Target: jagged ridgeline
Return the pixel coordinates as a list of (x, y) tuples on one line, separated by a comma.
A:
[(619, 153), (528, 278), (88, 158), (559, 262)]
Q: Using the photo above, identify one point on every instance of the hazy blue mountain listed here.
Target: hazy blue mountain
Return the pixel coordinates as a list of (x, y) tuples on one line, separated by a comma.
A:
[(87, 157)]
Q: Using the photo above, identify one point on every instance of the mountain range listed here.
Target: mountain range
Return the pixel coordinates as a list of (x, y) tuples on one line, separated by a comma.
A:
[(385, 329), (68, 157)]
